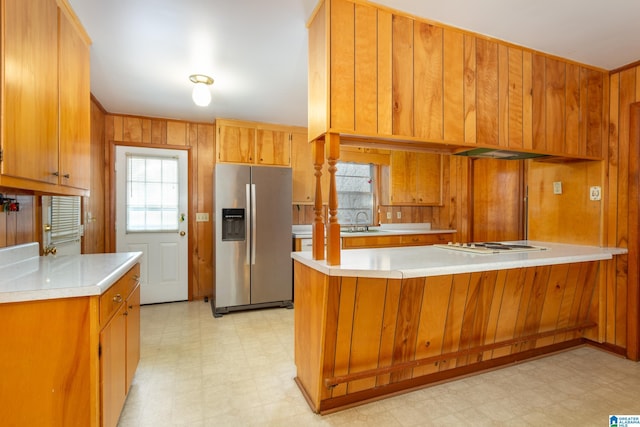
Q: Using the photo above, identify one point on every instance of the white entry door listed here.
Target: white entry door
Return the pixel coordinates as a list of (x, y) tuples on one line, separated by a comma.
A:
[(151, 217)]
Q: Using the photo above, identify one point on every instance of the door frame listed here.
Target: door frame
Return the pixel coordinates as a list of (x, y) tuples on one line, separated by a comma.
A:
[(110, 201)]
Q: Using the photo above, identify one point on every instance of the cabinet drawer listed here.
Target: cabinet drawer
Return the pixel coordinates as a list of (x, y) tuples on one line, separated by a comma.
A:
[(132, 278), (424, 239), (112, 299)]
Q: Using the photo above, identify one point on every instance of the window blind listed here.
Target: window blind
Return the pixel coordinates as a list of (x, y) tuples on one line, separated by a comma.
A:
[(65, 219)]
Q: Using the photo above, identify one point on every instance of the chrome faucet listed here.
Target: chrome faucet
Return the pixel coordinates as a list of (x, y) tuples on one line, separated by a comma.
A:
[(366, 218)]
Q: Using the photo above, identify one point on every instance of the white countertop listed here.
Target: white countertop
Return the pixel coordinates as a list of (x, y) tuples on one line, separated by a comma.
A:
[(39, 278), (421, 261), (304, 231)]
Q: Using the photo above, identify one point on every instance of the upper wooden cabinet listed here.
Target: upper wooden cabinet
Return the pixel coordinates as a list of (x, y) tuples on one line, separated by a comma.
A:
[(414, 179), (386, 76), (303, 172), (253, 143), (45, 98)]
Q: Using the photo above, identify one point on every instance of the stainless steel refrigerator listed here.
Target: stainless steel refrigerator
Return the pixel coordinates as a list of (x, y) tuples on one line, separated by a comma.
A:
[(252, 238)]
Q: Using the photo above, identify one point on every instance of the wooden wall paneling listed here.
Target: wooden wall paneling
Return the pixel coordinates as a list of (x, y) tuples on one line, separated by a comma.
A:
[(468, 318), (504, 92), (552, 303), (453, 85), (510, 302), (132, 129), (344, 331), (580, 284), (527, 100), (453, 325), (118, 128), (176, 133), (595, 105), (538, 104), (311, 290), (26, 220), (387, 336), (385, 79), (470, 89), (318, 80), (194, 167), (427, 81), (535, 305), (158, 131), (366, 84), (633, 293), (486, 291), (589, 302), (568, 297), (203, 202), (411, 295), (367, 330), (342, 53), (516, 98), (94, 219), (555, 94), (523, 303), (402, 75), (494, 313), (487, 91), (572, 144), (433, 318)]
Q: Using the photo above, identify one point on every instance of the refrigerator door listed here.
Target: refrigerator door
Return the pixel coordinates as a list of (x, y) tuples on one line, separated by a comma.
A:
[(271, 266), (232, 269)]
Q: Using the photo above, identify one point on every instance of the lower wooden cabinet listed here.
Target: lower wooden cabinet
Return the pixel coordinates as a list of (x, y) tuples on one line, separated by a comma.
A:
[(70, 361), (119, 347), (394, 240)]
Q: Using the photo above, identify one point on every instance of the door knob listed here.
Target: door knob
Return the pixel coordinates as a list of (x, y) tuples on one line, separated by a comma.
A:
[(182, 233)]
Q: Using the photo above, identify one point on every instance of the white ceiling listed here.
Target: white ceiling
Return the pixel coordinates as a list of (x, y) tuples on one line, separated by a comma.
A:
[(256, 50)]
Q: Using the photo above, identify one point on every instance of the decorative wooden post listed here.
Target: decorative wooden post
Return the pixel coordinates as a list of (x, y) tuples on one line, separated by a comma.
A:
[(333, 229), (318, 220)]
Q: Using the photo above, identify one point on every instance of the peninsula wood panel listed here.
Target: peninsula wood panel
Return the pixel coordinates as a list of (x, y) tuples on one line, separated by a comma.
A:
[(366, 75), (402, 75), (342, 60), (456, 321), (201, 139)]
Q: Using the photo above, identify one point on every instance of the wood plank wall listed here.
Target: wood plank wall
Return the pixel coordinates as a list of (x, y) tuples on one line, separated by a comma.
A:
[(200, 137), (622, 320), (93, 207), (19, 227)]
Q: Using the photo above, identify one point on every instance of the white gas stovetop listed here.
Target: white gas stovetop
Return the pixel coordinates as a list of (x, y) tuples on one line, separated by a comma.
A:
[(490, 247)]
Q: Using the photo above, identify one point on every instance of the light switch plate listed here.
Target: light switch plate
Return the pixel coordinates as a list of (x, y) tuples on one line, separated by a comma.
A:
[(202, 217), (388, 215), (557, 187), (399, 215), (595, 193)]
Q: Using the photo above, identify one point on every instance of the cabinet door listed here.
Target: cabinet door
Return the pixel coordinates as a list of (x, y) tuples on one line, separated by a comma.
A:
[(75, 145), (112, 368), (133, 334), (273, 147), (403, 177), (236, 143), (30, 110), (428, 178), (303, 173)]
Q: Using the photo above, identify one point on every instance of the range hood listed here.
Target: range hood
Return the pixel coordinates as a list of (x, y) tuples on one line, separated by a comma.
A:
[(492, 153)]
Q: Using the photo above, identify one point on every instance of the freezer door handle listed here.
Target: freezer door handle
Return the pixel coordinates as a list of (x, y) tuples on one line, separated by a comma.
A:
[(253, 224), (247, 258)]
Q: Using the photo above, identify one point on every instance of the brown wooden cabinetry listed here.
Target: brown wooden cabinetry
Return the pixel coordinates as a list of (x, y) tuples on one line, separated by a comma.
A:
[(394, 77), (415, 179), (253, 143), (45, 116), (382, 241), (119, 343), (303, 172)]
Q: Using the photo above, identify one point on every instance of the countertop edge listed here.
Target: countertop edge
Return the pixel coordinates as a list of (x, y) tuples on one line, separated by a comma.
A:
[(90, 289)]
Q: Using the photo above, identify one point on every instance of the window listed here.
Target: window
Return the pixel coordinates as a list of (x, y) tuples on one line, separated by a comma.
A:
[(65, 219), (152, 194), (354, 182)]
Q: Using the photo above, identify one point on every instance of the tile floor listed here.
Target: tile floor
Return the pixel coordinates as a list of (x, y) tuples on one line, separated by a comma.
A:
[(238, 371)]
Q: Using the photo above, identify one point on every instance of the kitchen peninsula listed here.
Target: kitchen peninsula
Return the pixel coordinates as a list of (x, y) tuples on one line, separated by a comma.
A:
[(389, 320)]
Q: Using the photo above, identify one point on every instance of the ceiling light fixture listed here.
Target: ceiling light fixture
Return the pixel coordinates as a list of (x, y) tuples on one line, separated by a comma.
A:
[(201, 94)]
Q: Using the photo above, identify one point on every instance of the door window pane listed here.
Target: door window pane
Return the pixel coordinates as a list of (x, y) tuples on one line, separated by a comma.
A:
[(152, 194)]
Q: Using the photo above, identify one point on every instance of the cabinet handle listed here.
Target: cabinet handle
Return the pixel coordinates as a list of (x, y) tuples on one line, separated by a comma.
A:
[(125, 313), (131, 307), (66, 175), (55, 174), (117, 298)]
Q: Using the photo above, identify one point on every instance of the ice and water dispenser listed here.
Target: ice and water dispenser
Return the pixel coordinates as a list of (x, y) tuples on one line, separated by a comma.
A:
[(233, 225)]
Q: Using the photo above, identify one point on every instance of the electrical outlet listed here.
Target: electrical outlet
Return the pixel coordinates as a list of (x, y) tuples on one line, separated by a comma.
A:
[(388, 215), (557, 187), (595, 193), (399, 215), (202, 217)]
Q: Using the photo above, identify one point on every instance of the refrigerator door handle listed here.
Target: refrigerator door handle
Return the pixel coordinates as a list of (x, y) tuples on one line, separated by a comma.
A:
[(249, 241), (253, 224)]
